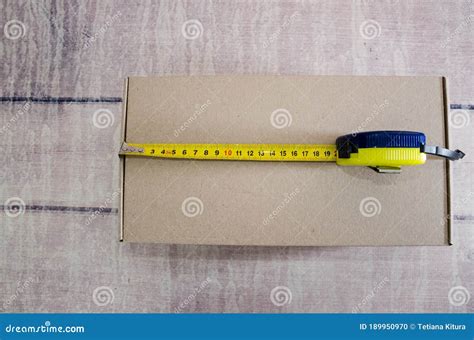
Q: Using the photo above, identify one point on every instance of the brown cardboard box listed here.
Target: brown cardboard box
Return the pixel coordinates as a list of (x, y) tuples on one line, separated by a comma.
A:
[(260, 203)]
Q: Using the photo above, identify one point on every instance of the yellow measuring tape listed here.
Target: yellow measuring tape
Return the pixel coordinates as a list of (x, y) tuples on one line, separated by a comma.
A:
[(384, 151), (236, 152)]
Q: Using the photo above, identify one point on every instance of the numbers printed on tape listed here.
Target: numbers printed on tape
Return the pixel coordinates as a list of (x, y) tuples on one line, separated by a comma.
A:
[(245, 152)]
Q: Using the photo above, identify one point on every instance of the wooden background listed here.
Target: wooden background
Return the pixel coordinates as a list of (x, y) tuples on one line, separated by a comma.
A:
[(63, 61)]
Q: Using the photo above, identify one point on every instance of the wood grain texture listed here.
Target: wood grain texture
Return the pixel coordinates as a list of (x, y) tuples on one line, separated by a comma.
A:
[(54, 255)]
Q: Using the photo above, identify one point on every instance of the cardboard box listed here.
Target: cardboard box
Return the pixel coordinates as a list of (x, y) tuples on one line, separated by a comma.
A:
[(272, 203)]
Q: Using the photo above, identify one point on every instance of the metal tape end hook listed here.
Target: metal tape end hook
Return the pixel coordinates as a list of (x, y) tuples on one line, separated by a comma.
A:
[(128, 148), (442, 152)]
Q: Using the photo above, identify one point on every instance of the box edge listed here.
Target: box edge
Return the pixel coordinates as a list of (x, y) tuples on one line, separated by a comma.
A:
[(122, 159), (449, 216)]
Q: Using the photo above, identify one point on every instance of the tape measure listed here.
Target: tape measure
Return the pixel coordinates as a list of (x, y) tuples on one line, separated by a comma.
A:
[(384, 151)]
